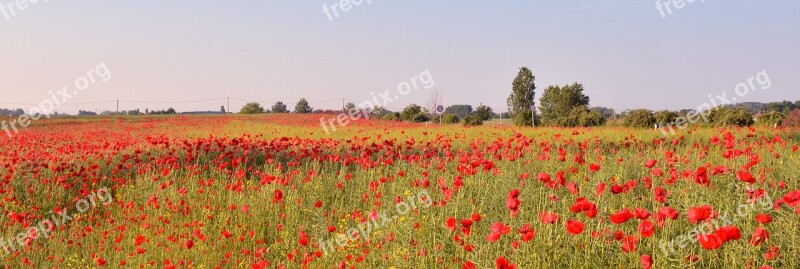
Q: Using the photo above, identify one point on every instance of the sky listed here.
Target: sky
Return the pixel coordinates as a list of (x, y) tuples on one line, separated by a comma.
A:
[(162, 54)]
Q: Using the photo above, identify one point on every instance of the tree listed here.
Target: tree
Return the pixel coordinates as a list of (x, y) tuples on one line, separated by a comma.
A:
[(410, 112), (459, 110), (640, 118), (563, 106), (607, 113), (350, 107), (222, 109), (171, 111), (483, 112), (279, 107), (792, 119), (729, 116), (252, 108), (665, 117), (302, 107), (522, 96), (380, 112)]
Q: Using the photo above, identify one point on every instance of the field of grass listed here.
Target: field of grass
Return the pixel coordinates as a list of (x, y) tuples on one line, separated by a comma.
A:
[(276, 191)]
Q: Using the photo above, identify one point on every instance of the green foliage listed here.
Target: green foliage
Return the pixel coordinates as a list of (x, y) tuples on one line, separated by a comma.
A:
[(252, 108), (665, 117), (729, 116), (564, 106), (587, 118), (421, 117), (410, 112), (279, 107), (522, 96), (450, 119), (473, 120), (484, 113), (302, 107), (770, 119), (607, 113), (459, 110), (380, 112), (640, 118), (391, 116), (350, 107)]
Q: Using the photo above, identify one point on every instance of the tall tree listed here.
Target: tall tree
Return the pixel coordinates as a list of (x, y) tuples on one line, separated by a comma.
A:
[(279, 107), (522, 96), (484, 113), (562, 106), (302, 107)]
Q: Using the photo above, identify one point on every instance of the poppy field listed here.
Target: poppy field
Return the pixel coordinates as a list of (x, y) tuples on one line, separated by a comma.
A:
[(276, 191)]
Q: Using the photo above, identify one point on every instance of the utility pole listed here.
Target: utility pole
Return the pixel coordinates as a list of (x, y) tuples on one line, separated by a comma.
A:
[(228, 111), (117, 106), (343, 106)]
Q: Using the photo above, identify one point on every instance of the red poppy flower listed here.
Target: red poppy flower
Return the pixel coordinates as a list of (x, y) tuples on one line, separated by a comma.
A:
[(641, 213), (450, 223), (502, 263), (512, 203), (594, 167), (476, 217), (526, 232), (548, 218), (746, 177), (647, 261), (759, 236), (498, 229), (574, 226), (763, 218), (629, 243), (621, 216), (729, 233), (710, 241), (278, 196), (646, 229), (650, 163), (698, 214), (701, 176)]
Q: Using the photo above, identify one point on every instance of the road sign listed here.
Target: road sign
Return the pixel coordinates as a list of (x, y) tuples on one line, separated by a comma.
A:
[(440, 108)]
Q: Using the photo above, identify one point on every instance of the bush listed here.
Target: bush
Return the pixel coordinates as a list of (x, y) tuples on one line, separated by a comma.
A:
[(252, 108), (421, 117), (770, 119), (392, 116), (640, 118), (450, 119), (473, 121), (727, 116)]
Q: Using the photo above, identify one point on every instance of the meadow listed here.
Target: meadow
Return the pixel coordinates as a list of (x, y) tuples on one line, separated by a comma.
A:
[(276, 191)]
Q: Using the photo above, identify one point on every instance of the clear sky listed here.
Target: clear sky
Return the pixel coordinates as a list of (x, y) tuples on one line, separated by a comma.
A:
[(624, 52)]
